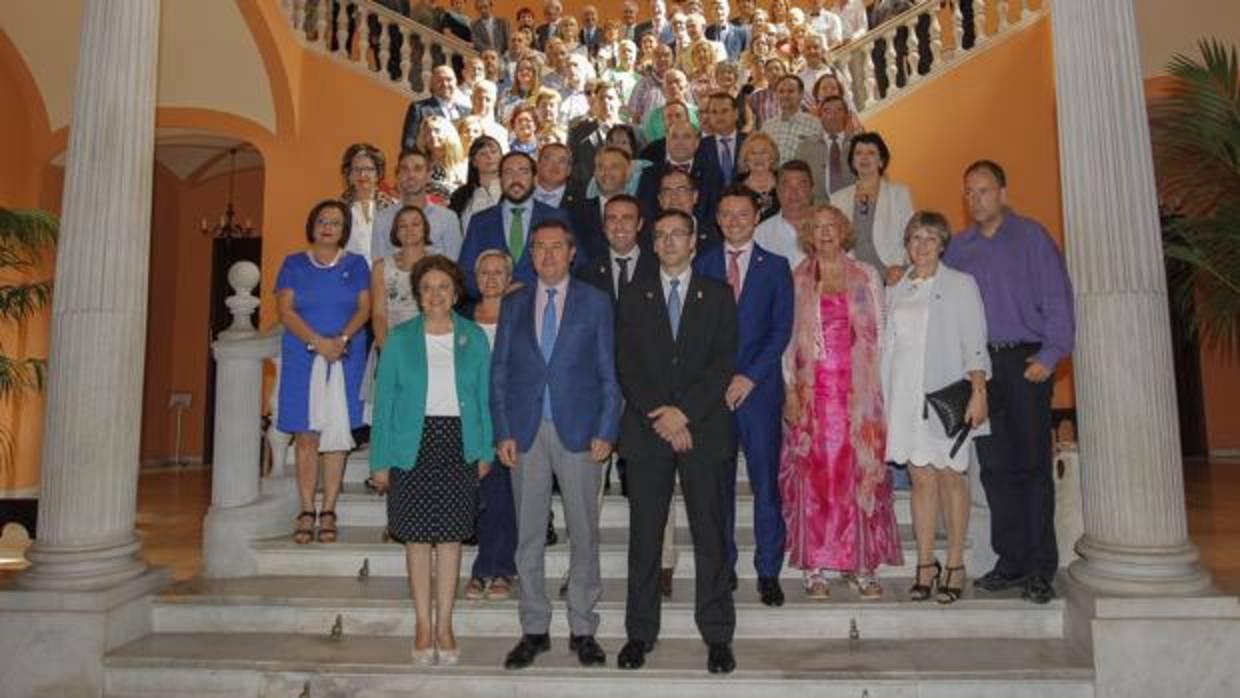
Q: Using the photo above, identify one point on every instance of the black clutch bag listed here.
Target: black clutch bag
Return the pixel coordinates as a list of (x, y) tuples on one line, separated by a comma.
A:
[(950, 404)]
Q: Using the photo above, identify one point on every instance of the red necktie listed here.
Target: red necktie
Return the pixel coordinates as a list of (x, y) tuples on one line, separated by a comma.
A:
[(734, 272)]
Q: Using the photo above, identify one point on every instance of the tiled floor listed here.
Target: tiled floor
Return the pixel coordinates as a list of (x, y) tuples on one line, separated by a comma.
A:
[(171, 504)]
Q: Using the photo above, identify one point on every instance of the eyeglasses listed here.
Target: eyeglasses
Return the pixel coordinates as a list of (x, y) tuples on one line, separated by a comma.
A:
[(329, 223)]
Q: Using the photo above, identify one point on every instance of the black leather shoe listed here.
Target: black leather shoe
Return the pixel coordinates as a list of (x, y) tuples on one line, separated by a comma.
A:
[(995, 580), (633, 655), (732, 579), (588, 651), (720, 660), (772, 594), (526, 650), (1038, 590)]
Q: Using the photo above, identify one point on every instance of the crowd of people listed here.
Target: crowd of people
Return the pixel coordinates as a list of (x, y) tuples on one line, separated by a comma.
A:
[(660, 245)]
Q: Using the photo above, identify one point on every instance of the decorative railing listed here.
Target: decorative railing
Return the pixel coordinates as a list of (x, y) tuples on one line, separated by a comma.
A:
[(906, 50), (374, 40)]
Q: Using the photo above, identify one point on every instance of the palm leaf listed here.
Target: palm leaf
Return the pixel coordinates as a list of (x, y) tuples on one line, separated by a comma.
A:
[(25, 234), (17, 375), (19, 301)]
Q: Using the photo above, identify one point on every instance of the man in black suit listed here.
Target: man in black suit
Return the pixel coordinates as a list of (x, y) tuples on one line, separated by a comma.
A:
[(587, 136), (555, 162), (676, 342), (680, 146), (443, 101), (552, 10), (678, 191), (611, 171), (489, 31)]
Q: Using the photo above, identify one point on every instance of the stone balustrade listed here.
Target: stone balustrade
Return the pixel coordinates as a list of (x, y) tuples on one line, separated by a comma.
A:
[(376, 41)]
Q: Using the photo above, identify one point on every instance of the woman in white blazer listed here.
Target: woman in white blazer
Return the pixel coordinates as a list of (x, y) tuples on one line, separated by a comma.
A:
[(877, 207), (935, 336)]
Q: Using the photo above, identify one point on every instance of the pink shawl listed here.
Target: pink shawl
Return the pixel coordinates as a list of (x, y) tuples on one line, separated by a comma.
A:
[(868, 429)]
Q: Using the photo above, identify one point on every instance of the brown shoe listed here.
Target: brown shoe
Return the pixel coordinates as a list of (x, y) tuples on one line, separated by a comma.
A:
[(476, 588), (665, 581), (500, 589)]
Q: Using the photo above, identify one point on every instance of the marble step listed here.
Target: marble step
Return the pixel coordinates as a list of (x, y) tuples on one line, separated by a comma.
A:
[(381, 606), (358, 506), (281, 556), (254, 665)]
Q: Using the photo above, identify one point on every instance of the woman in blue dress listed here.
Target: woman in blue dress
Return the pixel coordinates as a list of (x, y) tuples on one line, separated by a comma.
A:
[(323, 297)]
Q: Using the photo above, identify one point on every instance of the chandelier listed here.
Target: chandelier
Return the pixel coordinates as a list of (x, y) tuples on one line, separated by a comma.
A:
[(228, 227)]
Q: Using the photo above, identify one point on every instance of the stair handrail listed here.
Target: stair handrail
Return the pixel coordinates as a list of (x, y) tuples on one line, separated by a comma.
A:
[(384, 44), (869, 90)]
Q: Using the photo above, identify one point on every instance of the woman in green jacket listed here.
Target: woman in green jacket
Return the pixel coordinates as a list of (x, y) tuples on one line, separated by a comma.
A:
[(430, 443)]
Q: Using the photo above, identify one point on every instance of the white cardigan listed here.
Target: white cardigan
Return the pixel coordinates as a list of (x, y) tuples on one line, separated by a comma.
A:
[(895, 208), (955, 334)]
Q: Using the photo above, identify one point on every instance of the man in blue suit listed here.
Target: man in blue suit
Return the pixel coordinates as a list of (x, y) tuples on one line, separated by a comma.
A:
[(555, 410), (762, 284), (735, 38), (718, 155), (506, 225)]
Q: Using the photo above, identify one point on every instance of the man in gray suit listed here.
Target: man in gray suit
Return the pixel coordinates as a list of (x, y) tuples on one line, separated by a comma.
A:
[(489, 31), (828, 156)]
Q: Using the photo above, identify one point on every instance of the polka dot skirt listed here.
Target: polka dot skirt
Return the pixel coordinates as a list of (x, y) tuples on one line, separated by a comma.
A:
[(435, 501)]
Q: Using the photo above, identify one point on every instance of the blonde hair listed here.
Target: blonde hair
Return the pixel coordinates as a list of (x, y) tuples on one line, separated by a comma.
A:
[(487, 254), (805, 232), (454, 160), (754, 140)]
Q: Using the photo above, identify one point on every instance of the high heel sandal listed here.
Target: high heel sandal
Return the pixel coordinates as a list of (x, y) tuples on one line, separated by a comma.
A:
[(424, 657), (951, 594), (921, 592), (304, 532), (327, 534)]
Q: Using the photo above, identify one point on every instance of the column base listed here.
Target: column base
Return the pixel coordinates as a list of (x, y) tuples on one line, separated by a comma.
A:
[(1138, 571), (81, 568)]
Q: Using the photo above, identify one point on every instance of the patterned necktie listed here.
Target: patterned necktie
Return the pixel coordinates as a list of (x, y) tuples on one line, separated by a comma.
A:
[(726, 159), (547, 344), (734, 272), (835, 165), (516, 232), (673, 307)]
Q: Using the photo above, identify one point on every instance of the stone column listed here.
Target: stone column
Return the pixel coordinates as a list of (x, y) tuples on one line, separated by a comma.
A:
[(94, 407), (1136, 532)]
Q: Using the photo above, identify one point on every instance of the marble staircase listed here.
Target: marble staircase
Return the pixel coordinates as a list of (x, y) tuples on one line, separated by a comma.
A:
[(308, 624)]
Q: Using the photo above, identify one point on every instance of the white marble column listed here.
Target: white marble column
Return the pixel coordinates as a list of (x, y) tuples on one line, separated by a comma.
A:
[(86, 536), (1136, 532)]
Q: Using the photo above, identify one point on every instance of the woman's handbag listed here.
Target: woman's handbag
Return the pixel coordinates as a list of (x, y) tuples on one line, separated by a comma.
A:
[(950, 404)]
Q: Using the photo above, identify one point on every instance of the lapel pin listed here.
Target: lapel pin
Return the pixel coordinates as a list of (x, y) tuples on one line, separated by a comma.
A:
[(463, 340), (649, 295), (699, 294)]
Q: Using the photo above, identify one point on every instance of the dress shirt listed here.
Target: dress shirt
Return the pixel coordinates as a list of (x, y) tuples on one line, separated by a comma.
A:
[(684, 277), (830, 26), (551, 197), (787, 132), (505, 212), (452, 108), (540, 305), (1024, 285), (742, 261), (777, 235), (632, 256)]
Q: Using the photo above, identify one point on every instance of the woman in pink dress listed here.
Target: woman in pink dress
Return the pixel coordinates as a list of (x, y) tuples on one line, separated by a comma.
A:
[(834, 482)]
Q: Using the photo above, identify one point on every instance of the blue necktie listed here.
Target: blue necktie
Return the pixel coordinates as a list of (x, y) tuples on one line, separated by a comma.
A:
[(725, 163), (547, 343), (673, 307)]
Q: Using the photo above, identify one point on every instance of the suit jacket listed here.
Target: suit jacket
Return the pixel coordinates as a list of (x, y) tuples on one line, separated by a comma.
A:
[(735, 39), (690, 371), (955, 340), (585, 138), (486, 232), (581, 375), (418, 111), (764, 319), (587, 217), (598, 272), (541, 33), (483, 38), (665, 35), (591, 38), (709, 172), (895, 208), (814, 151)]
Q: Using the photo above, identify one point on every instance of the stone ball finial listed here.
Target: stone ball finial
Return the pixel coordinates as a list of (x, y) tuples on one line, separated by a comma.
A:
[(244, 277)]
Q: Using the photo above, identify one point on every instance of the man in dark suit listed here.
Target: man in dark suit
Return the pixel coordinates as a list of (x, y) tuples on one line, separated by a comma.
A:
[(506, 226), (735, 39), (552, 11), (828, 156), (676, 354), (591, 34), (588, 136), (611, 171), (718, 154), (555, 164), (555, 408), (678, 152), (444, 101), (489, 31), (657, 23), (678, 191), (762, 284)]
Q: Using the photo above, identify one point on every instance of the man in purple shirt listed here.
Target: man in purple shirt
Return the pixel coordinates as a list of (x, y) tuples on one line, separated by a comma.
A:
[(1030, 325)]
